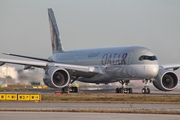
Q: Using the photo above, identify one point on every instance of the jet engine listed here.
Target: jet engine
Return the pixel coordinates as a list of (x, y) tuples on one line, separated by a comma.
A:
[(166, 80), (56, 77)]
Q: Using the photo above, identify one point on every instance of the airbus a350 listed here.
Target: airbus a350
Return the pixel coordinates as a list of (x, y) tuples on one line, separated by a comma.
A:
[(100, 65)]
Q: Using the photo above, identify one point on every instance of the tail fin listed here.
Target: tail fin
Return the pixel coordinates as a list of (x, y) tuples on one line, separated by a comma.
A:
[(55, 37)]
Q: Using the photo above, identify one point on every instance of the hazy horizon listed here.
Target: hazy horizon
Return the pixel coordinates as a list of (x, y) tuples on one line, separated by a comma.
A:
[(24, 26)]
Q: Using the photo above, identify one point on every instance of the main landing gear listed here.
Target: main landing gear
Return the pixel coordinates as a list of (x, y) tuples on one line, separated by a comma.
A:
[(123, 89), (73, 89), (146, 89), (67, 89)]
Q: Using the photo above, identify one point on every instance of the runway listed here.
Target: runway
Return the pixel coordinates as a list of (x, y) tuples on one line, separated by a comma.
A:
[(5, 115), (82, 116), (87, 106), (137, 91), (154, 91)]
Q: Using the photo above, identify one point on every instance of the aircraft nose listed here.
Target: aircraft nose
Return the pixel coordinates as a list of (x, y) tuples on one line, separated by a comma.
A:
[(152, 70)]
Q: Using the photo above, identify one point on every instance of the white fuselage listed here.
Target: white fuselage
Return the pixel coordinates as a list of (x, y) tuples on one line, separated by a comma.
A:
[(120, 63)]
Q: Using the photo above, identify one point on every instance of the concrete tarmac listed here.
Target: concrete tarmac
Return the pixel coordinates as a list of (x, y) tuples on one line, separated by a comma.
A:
[(82, 116), (136, 91), (8, 115), (88, 106)]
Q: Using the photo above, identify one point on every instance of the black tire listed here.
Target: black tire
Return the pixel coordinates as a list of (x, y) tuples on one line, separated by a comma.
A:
[(117, 90), (65, 89), (143, 91), (121, 90), (127, 90), (72, 88), (148, 91), (75, 89), (130, 90)]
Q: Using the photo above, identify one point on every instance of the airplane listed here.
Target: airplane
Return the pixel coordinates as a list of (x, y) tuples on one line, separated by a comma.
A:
[(100, 65)]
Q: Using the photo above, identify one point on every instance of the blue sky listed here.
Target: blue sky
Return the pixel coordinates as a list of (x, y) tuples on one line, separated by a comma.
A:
[(24, 26)]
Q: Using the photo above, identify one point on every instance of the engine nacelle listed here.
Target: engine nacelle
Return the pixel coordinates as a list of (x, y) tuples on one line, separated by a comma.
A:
[(166, 80), (56, 77)]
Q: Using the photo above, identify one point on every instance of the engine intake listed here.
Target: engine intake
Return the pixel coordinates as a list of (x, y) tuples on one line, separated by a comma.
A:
[(56, 77), (166, 80)]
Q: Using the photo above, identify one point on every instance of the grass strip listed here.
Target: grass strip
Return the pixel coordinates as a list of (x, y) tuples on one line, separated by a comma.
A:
[(100, 111), (111, 98), (107, 98)]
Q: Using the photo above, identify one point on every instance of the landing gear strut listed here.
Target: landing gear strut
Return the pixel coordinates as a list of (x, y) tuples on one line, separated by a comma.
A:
[(65, 89), (146, 89), (123, 89), (73, 89)]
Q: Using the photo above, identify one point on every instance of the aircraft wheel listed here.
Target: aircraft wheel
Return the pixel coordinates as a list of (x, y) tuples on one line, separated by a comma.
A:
[(127, 90), (130, 90), (74, 89), (144, 91), (148, 91), (121, 90), (65, 89), (117, 90)]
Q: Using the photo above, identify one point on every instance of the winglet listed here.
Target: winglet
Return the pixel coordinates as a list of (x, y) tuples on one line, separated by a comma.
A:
[(55, 37), (5, 53)]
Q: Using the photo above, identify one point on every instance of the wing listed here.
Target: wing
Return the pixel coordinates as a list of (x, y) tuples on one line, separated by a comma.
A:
[(46, 65), (174, 66), (34, 58), (23, 62)]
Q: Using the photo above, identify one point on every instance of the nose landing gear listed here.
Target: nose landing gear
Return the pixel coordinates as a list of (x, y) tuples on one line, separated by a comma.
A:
[(146, 89), (123, 89)]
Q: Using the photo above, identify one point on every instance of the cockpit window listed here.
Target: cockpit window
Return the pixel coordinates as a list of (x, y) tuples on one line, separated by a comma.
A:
[(144, 57)]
